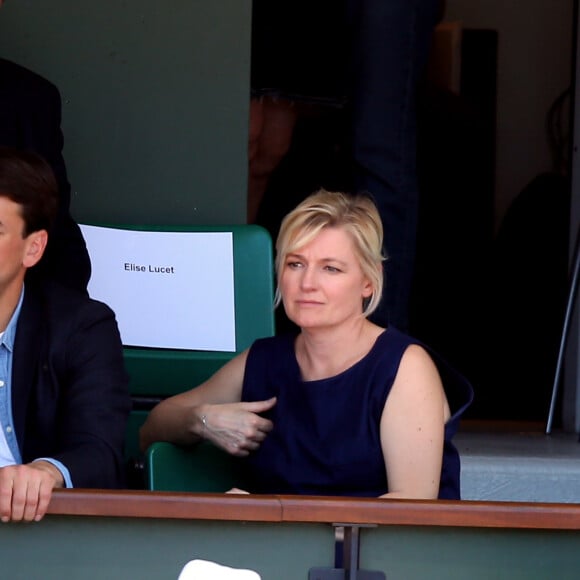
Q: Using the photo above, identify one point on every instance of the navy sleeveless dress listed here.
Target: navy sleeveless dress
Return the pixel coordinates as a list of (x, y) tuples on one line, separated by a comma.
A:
[(326, 435)]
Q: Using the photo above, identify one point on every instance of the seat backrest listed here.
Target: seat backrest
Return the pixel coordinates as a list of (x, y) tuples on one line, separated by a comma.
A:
[(161, 372), (203, 468)]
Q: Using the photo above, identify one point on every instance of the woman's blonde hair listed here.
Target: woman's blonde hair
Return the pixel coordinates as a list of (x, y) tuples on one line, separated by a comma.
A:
[(356, 214)]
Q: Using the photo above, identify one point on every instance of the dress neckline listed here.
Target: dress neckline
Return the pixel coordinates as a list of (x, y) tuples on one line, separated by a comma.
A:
[(375, 345)]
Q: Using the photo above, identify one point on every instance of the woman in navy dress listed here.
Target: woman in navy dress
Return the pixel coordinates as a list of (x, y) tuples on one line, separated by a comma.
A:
[(343, 407)]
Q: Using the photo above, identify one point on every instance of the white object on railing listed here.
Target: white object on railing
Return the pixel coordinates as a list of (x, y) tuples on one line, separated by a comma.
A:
[(205, 570)]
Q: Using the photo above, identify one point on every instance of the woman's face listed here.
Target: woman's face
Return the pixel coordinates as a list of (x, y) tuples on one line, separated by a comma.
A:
[(322, 284)]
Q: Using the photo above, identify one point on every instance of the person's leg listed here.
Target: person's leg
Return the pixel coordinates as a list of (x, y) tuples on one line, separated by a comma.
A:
[(390, 40)]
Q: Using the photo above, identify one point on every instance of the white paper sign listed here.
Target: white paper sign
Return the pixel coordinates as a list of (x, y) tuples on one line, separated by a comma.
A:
[(168, 289)]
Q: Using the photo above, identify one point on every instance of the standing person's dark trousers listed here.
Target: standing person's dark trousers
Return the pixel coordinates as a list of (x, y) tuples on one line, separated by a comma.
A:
[(390, 43), (30, 115)]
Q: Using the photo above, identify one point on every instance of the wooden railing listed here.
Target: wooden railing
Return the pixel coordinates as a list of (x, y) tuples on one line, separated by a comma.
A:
[(114, 535), (306, 509)]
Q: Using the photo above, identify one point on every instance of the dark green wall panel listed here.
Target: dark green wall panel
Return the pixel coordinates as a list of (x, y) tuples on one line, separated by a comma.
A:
[(144, 549), (155, 102), (447, 553)]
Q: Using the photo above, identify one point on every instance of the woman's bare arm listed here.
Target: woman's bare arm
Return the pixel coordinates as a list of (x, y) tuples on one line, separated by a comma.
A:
[(212, 411), (412, 428)]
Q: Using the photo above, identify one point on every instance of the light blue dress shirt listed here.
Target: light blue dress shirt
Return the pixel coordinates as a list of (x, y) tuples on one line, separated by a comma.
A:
[(6, 356)]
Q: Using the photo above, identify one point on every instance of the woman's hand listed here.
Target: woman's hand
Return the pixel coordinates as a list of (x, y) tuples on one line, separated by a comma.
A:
[(236, 427)]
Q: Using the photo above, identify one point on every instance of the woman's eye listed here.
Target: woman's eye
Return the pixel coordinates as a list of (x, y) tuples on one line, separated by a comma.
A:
[(332, 269), (294, 265)]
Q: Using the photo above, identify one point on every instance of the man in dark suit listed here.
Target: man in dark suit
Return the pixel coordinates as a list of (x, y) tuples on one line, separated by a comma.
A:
[(64, 399), (30, 115)]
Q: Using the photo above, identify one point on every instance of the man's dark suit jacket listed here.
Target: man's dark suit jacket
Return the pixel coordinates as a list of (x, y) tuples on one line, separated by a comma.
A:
[(70, 398), (30, 115)]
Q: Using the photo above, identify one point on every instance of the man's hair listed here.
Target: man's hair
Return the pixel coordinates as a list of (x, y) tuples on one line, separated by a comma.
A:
[(356, 214), (28, 180)]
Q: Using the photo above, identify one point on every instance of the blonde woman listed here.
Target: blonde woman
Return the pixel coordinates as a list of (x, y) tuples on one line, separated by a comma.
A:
[(343, 407)]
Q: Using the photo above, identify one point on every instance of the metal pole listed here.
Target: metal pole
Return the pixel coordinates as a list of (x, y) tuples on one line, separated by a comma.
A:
[(563, 339)]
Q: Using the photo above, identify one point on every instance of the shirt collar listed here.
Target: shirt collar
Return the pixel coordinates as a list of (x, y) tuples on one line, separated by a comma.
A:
[(10, 332)]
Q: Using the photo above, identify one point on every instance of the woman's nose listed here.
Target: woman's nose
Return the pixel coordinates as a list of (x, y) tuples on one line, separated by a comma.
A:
[(308, 280)]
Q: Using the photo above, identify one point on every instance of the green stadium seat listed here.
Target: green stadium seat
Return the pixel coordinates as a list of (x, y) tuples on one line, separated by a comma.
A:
[(159, 373), (203, 468)]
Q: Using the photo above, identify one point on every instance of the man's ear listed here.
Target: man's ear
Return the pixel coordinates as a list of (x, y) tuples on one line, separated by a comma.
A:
[(35, 245)]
